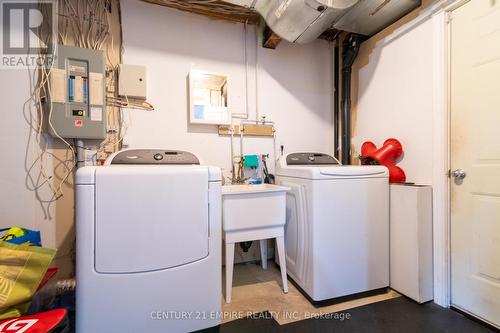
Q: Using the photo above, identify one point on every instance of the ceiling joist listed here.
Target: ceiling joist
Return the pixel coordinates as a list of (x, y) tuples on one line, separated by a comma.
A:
[(212, 8)]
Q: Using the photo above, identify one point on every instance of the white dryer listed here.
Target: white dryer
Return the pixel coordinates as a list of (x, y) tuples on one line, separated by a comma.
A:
[(337, 230), (148, 228)]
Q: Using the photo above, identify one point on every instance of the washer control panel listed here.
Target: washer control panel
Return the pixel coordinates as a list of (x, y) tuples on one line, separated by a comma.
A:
[(154, 156), (310, 159)]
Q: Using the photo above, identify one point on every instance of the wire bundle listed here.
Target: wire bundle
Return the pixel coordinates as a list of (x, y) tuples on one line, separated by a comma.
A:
[(88, 22), (126, 102)]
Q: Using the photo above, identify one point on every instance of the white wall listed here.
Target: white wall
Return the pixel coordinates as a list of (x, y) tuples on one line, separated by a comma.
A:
[(294, 83), (395, 97), (17, 204)]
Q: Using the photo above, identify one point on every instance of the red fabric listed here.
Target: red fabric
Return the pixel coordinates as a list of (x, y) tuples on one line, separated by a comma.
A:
[(48, 275), (39, 323), (386, 156)]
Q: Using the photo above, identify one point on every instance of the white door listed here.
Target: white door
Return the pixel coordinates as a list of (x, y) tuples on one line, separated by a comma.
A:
[(475, 159)]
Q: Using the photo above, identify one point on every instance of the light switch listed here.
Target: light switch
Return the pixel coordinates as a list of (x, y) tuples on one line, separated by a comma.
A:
[(132, 81)]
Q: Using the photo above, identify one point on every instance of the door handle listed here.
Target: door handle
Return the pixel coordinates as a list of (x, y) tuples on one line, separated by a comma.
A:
[(458, 174)]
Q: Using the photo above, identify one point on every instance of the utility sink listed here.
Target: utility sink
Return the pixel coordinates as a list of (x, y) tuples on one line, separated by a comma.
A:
[(254, 213), (246, 207)]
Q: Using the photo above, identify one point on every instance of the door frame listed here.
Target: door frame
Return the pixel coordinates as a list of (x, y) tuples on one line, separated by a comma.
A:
[(441, 18)]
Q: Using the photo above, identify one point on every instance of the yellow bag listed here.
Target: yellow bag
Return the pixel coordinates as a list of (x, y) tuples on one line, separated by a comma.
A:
[(22, 268)]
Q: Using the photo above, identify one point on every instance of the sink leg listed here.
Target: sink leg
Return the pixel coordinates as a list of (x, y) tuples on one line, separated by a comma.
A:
[(263, 253), (229, 270), (280, 245)]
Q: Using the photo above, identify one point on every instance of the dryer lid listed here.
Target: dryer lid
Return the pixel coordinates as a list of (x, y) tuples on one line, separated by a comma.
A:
[(323, 166), (333, 172)]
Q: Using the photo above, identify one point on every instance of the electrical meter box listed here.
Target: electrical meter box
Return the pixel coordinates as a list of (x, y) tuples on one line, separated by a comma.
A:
[(78, 94)]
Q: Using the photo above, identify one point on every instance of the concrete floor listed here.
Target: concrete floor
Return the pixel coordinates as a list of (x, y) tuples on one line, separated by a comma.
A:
[(259, 305), (256, 290), (395, 315)]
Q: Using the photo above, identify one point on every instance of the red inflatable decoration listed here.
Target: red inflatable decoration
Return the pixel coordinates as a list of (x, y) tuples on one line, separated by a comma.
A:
[(386, 156), (45, 322)]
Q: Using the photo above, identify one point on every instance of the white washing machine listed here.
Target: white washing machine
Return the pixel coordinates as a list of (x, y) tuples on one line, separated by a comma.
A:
[(337, 230), (148, 228)]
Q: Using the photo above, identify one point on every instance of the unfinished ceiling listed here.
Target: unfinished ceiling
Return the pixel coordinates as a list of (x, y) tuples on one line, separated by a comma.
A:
[(218, 9), (212, 8)]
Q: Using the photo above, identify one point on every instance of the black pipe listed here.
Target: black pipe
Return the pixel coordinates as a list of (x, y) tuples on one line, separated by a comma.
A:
[(336, 110), (350, 51)]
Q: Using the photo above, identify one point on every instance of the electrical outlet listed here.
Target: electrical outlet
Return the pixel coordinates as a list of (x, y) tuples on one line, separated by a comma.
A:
[(111, 130)]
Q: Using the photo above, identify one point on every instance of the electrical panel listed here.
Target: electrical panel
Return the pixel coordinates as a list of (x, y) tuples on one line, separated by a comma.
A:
[(78, 94)]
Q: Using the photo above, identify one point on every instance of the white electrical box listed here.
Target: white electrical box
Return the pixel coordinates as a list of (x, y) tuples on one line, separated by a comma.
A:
[(132, 81)]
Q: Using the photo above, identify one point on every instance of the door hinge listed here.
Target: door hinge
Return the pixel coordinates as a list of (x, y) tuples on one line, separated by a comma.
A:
[(449, 17)]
